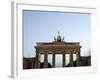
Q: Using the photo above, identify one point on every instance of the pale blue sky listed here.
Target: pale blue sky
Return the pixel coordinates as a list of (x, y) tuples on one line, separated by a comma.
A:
[(42, 26)]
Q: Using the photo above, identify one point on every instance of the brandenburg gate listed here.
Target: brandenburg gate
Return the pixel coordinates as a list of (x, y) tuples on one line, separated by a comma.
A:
[(58, 46)]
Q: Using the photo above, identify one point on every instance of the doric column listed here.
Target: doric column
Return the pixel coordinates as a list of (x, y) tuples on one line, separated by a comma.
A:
[(46, 60), (78, 58), (64, 60), (53, 60), (71, 59), (37, 62)]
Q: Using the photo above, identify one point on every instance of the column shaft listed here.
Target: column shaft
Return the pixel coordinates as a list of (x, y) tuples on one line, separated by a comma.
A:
[(37, 60), (46, 60), (78, 59), (64, 60), (71, 59), (53, 60)]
